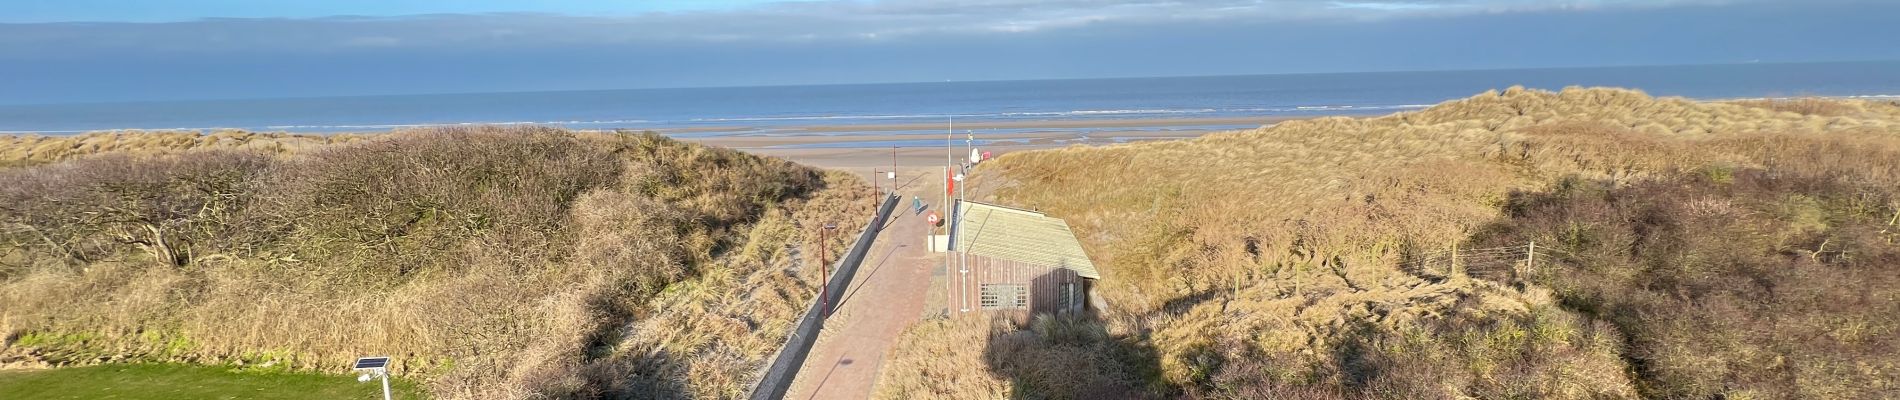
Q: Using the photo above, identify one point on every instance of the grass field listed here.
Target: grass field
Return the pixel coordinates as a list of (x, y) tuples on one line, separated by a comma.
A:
[(177, 381)]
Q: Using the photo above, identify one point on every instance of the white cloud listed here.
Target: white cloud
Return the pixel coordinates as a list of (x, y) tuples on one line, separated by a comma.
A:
[(789, 22), (372, 41), (1389, 6)]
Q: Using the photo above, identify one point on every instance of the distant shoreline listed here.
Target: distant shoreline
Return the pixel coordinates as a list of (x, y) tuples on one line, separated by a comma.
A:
[(742, 127), (867, 147), (860, 146), (842, 109), (834, 129)]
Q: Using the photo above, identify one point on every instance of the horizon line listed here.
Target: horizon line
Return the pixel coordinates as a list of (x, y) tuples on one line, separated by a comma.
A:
[(796, 85)]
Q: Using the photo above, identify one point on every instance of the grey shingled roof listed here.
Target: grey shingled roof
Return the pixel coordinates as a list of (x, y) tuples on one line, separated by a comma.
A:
[(1024, 236)]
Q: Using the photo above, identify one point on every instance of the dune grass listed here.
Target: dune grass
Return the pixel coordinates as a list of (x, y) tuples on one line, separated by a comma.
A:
[(188, 382), (1747, 283), (1283, 262), (25, 150), (491, 262)]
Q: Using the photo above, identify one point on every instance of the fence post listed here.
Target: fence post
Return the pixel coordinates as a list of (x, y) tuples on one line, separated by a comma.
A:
[(1456, 269), (1530, 259)]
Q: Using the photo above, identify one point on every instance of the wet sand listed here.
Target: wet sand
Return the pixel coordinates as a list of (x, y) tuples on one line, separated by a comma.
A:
[(1050, 124), (868, 147)]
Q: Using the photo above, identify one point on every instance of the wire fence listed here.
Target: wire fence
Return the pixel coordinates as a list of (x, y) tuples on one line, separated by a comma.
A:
[(1504, 263)]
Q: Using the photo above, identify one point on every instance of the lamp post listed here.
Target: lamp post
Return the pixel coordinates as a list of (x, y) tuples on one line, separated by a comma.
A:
[(824, 267)]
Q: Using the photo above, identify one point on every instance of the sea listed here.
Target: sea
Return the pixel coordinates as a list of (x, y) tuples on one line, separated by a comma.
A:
[(771, 110)]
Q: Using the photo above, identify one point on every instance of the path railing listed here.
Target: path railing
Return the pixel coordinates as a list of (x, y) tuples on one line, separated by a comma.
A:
[(778, 377)]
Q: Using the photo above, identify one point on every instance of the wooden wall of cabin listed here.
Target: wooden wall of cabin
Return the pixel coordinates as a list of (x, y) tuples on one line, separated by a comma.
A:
[(1048, 287)]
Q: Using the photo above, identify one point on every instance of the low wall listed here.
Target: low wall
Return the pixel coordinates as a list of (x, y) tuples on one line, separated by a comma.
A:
[(778, 377)]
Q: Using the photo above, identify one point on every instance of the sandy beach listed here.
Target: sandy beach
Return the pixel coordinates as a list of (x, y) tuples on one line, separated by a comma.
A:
[(867, 147)]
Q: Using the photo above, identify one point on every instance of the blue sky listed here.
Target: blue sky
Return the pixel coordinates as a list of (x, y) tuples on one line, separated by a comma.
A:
[(95, 51), (186, 10)]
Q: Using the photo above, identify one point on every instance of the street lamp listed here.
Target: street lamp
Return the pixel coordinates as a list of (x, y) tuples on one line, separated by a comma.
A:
[(371, 368), (824, 268)]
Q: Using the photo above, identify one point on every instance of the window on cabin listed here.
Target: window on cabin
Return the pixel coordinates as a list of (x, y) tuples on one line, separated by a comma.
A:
[(998, 296), (1069, 301)]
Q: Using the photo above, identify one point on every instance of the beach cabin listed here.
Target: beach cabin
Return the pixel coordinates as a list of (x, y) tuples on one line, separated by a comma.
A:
[(1015, 260)]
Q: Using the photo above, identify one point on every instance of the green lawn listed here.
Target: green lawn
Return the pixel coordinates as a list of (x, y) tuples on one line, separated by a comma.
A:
[(172, 381)]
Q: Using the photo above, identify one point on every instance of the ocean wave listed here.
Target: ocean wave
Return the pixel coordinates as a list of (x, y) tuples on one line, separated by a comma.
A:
[(841, 119), (47, 132), (1768, 98), (435, 124), (1355, 107), (1113, 112), (616, 121), (1068, 113), (80, 131), (825, 117), (1157, 111)]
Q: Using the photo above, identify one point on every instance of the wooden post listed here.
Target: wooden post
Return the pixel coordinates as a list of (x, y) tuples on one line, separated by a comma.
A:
[(1530, 259), (1892, 221), (1296, 279), (1890, 224), (1455, 268)]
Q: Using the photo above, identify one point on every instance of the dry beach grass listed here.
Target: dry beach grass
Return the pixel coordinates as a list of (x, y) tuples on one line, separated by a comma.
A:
[(492, 262), (1283, 262), (19, 150), (1688, 250)]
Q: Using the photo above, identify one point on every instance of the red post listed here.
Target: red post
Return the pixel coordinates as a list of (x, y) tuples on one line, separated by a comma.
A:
[(825, 269), (824, 272)]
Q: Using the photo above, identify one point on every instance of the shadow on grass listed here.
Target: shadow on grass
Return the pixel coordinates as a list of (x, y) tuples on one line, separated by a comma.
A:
[(1070, 355), (181, 381)]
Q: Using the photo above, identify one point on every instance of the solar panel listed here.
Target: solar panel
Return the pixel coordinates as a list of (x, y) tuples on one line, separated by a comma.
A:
[(371, 362)]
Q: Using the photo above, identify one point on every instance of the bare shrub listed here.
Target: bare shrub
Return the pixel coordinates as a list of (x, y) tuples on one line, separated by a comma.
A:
[(169, 208), (493, 262), (1713, 302)]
